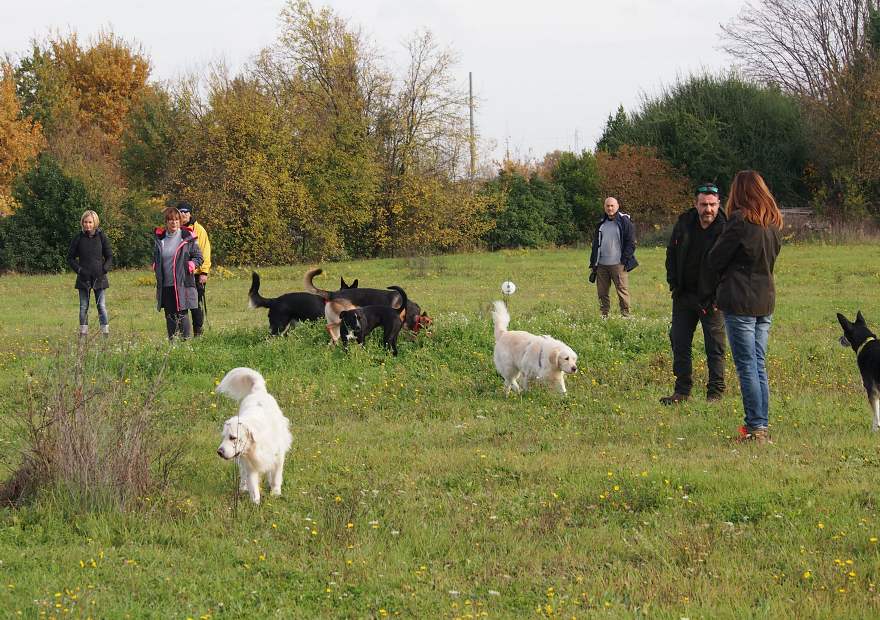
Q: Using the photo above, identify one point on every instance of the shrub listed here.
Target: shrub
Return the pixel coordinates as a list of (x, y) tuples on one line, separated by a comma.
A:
[(650, 189), (90, 431)]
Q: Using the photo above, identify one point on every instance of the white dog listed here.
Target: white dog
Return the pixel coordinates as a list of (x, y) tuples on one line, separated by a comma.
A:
[(259, 436), (521, 356)]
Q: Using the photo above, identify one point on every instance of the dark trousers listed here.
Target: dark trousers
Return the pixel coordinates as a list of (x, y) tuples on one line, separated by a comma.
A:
[(198, 315), (175, 322), (685, 316)]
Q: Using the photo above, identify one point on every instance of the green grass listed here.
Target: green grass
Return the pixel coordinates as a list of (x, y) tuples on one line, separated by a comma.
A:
[(415, 489)]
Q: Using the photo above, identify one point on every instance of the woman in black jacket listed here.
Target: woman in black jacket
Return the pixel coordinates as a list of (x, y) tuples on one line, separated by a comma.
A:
[(744, 256), (90, 257)]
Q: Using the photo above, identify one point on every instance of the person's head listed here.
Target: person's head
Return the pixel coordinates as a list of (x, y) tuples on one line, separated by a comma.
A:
[(185, 212), (172, 219), (611, 206), (750, 194), (89, 221), (707, 203)]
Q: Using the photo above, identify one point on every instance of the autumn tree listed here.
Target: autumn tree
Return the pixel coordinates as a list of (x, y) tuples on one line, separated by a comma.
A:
[(21, 138), (649, 188)]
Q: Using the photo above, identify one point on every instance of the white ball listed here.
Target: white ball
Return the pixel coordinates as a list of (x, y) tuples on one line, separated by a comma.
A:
[(508, 288)]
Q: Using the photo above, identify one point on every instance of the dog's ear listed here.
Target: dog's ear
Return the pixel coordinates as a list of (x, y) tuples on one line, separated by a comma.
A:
[(859, 318), (844, 322), (342, 283), (354, 284), (553, 357)]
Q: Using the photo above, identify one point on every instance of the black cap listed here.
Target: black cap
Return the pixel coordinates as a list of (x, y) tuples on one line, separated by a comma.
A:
[(184, 207)]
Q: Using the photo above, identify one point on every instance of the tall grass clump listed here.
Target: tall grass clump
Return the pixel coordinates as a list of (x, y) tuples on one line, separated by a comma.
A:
[(90, 430)]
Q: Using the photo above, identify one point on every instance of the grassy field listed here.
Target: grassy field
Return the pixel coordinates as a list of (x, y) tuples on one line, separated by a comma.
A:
[(415, 489)]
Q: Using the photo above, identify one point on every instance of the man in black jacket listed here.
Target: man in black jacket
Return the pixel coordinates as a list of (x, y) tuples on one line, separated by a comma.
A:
[(693, 286)]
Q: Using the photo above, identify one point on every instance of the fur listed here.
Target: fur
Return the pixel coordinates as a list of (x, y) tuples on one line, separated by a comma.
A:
[(349, 299), (258, 437), (521, 356), (864, 342), (357, 323), (287, 310)]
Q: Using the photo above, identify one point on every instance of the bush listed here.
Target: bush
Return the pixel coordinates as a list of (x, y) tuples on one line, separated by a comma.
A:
[(650, 189), (37, 236), (534, 213), (92, 432)]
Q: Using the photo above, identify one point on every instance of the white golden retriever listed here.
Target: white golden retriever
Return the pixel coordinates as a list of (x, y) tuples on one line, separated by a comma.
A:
[(521, 356), (259, 436)]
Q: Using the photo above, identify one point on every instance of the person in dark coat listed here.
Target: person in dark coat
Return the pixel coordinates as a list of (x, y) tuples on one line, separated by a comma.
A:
[(744, 256), (176, 256), (91, 257), (693, 286), (613, 256)]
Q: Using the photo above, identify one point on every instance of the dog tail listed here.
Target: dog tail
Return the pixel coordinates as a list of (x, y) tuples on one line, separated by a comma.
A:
[(501, 318), (255, 300), (310, 287), (403, 301), (239, 382)]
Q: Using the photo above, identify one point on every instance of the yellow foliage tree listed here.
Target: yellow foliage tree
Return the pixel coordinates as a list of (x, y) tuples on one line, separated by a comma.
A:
[(20, 139)]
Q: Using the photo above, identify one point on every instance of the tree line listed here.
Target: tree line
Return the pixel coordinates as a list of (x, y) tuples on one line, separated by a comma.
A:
[(316, 150)]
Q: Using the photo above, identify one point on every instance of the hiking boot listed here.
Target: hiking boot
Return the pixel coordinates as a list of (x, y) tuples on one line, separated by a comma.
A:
[(674, 399), (713, 396), (757, 435)]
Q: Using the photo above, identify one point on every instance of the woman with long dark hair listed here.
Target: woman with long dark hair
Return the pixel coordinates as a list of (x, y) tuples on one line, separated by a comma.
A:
[(744, 256)]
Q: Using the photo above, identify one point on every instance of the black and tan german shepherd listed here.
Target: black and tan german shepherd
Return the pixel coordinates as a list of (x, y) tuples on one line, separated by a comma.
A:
[(867, 348)]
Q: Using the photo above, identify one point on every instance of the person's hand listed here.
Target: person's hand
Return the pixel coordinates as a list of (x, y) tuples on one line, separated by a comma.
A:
[(203, 278)]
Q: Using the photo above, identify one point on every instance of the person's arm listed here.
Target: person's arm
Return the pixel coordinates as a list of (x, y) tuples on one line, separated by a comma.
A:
[(671, 251), (205, 246), (107, 252), (628, 253), (72, 255), (726, 245), (195, 254)]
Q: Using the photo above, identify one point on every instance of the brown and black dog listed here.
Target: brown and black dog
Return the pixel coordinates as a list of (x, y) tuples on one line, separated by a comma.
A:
[(358, 323), (336, 302)]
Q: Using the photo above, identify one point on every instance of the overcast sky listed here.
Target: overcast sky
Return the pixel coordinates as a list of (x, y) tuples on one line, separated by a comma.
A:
[(547, 73)]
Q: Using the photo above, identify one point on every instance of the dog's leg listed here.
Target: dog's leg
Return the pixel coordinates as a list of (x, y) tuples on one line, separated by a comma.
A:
[(560, 383), (875, 405), (242, 484), (276, 476), (253, 484)]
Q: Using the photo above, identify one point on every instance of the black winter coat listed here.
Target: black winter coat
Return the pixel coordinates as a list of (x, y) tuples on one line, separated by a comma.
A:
[(744, 256), (91, 258), (677, 251), (627, 241)]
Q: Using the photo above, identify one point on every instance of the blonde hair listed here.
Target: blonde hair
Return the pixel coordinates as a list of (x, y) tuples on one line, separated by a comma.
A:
[(92, 214), (750, 194)]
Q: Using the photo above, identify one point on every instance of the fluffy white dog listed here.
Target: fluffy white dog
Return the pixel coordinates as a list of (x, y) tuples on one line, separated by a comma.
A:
[(521, 356), (259, 436)]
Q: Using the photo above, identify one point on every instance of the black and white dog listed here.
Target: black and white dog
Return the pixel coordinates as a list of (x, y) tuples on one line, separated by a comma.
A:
[(867, 348), (357, 323), (287, 309)]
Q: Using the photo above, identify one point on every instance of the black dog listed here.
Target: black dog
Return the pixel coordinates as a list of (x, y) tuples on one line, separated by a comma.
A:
[(287, 309), (351, 298), (359, 322), (867, 348)]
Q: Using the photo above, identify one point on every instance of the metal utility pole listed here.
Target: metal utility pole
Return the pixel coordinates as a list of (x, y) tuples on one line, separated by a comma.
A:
[(472, 140)]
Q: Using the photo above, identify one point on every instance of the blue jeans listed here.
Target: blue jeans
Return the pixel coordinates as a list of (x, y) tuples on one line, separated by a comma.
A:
[(100, 294), (748, 345)]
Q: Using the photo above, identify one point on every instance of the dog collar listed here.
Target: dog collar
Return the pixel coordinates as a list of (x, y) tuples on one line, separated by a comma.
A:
[(862, 346)]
